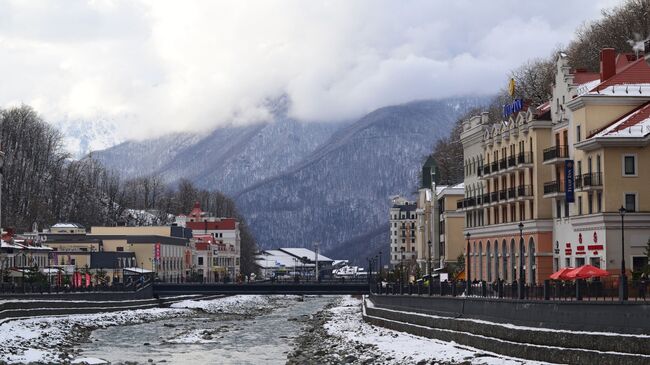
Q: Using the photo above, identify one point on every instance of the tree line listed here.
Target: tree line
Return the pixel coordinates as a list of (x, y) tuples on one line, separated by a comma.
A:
[(623, 28), (42, 185)]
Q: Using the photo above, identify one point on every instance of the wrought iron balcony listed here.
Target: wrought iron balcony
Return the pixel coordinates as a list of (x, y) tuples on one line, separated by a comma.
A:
[(524, 158), (524, 191), (503, 194), (512, 193), (589, 180), (503, 164), (553, 187), (556, 152), (512, 161)]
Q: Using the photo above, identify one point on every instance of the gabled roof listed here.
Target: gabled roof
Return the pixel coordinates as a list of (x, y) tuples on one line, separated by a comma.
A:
[(636, 73), (636, 123)]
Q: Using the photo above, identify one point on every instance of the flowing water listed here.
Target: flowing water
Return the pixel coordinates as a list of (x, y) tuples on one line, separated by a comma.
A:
[(207, 338)]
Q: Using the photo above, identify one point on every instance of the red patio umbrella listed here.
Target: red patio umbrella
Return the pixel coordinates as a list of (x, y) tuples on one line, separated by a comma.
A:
[(561, 274), (586, 272)]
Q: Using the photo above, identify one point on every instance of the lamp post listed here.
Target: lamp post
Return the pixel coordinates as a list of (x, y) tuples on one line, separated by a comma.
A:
[(521, 261), (429, 244), (380, 268), (401, 266), (468, 279), (622, 281)]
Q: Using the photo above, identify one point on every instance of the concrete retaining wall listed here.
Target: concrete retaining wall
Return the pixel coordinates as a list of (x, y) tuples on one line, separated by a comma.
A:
[(630, 317), (418, 326)]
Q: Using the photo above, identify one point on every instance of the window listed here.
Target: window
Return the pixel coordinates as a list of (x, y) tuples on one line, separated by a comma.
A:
[(566, 209), (599, 201), (577, 133), (630, 202), (579, 205), (590, 203), (567, 262), (594, 261), (558, 209), (200, 260), (629, 165), (580, 261), (119, 249)]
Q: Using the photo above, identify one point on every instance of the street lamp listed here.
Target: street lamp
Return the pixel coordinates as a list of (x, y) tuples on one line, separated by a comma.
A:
[(380, 268), (401, 266), (429, 243), (468, 282), (622, 281), (521, 261)]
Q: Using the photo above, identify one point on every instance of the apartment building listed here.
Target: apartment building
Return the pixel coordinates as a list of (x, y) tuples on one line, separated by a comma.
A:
[(601, 148), (426, 211), (504, 179), (226, 234), (450, 224), (402, 222)]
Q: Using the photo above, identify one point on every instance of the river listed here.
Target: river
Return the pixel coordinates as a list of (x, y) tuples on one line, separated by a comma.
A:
[(207, 338)]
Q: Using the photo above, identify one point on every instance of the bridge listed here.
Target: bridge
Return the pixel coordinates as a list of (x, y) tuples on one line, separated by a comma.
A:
[(330, 288)]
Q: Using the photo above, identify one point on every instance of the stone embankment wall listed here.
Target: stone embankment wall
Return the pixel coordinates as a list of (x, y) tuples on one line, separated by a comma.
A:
[(33, 305), (529, 342)]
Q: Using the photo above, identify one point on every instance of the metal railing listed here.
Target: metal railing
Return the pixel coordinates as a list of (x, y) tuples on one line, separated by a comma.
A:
[(503, 164), (579, 290), (494, 167), (556, 152), (524, 191), (524, 158), (592, 179), (556, 186), (486, 170), (512, 161)]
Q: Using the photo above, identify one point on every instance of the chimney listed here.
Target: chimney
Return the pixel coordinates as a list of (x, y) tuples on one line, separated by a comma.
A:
[(607, 63)]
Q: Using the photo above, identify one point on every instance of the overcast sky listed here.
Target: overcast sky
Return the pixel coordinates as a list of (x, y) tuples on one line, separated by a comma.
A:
[(157, 66)]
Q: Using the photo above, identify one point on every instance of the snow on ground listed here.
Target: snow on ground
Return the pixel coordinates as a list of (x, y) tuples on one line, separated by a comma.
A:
[(347, 324), (239, 304), (51, 339), (44, 339)]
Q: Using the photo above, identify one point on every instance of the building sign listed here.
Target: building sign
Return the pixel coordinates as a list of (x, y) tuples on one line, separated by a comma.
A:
[(157, 252), (595, 247), (511, 87), (513, 107), (569, 181)]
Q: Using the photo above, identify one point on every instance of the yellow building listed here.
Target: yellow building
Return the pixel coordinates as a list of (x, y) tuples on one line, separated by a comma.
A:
[(607, 138), (450, 224)]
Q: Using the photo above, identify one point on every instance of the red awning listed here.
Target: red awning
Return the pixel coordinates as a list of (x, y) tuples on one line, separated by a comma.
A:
[(586, 272), (561, 274)]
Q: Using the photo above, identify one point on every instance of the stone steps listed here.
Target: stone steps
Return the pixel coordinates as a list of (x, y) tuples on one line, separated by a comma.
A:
[(556, 346)]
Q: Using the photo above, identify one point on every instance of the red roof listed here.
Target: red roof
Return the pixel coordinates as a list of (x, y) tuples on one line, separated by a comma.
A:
[(202, 246), (629, 119), (582, 77), (637, 72), (223, 224)]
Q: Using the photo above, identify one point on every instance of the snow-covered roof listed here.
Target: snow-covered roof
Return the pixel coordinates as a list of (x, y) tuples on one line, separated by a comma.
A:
[(635, 124), (300, 252), (137, 270), (67, 225), (276, 258)]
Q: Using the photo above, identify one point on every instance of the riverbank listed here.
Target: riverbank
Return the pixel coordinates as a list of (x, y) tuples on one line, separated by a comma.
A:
[(58, 339), (338, 335)]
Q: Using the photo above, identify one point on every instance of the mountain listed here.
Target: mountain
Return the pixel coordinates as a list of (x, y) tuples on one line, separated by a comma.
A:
[(338, 195), (298, 182), (81, 136), (228, 158)]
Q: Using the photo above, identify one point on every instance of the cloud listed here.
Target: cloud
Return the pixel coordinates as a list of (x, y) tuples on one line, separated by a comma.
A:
[(159, 66)]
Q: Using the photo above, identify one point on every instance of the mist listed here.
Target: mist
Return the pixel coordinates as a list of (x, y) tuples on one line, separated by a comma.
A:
[(154, 67)]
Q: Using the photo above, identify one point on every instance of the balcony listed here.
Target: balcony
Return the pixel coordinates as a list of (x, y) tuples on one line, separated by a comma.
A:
[(524, 158), (503, 164), (494, 197), (479, 171), (589, 181), (553, 188), (512, 193), (494, 167), (524, 191), (486, 170), (486, 199), (556, 154), (503, 195), (512, 161)]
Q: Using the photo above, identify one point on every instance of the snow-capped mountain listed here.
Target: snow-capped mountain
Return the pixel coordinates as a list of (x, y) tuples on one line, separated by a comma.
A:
[(297, 182), (81, 137)]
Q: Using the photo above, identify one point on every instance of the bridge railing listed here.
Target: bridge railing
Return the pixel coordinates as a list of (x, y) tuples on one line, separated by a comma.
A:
[(549, 290)]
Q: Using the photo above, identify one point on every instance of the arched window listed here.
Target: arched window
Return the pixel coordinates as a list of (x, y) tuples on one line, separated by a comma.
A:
[(496, 260), (513, 260), (480, 261), (504, 255), (531, 260), (474, 262), (488, 261)]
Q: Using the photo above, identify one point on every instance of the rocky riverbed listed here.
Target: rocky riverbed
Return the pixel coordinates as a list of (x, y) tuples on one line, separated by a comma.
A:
[(338, 335)]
